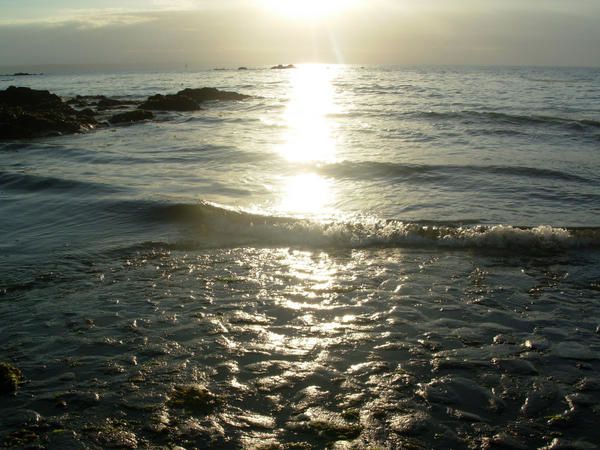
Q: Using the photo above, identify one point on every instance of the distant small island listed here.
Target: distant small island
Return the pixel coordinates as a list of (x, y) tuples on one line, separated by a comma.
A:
[(282, 67), (21, 74)]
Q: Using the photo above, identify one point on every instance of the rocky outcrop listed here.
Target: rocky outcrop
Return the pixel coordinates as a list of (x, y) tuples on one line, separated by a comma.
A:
[(28, 113), (176, 102), (136, 115), (206, 94), (282, 67), (31, 99), (189, 99)]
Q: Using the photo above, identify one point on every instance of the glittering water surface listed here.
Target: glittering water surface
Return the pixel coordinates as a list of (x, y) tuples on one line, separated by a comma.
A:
[(352, 258)]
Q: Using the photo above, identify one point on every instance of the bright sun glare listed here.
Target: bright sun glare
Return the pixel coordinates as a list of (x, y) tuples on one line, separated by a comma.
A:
[(309, 139), (308, 9)]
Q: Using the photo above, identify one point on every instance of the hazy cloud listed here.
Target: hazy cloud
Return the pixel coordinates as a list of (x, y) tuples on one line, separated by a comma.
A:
[(204, 33)]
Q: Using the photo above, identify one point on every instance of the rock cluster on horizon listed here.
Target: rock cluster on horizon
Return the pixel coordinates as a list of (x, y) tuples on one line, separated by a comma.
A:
[(283, 67)]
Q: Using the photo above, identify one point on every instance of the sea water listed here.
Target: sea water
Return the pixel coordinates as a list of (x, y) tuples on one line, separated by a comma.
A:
[(354, 257)]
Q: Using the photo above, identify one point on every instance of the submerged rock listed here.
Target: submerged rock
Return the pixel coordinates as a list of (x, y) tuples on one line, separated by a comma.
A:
[(575, 350), (10, 378), (116, 438), (543, 397), (22, 419), (325, 423), (170, 102), (463, 394), (515, 366), (503, 441), (137, 115), (67, 439), (27, 113), (410, 424)]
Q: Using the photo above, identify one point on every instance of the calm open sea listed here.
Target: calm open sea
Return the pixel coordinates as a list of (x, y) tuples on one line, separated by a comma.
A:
[(377, 257)]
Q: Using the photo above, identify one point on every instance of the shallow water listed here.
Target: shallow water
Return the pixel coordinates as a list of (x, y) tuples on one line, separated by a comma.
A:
[(353, 258)]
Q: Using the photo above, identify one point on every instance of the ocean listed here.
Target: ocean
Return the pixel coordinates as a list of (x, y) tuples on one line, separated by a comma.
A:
[(354, 257)]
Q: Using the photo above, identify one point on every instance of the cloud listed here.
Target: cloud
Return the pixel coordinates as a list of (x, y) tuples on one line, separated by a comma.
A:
[(215, 33), (82, 19)]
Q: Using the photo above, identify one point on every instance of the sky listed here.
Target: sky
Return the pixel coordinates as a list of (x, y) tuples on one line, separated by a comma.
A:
[(230, 33)]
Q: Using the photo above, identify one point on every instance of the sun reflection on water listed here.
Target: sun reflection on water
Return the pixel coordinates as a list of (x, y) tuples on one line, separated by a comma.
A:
[(306, 193), (309, 139), (309, 130)]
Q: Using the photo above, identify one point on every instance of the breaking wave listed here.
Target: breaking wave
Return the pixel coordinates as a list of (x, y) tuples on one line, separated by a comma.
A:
[(208, 224)]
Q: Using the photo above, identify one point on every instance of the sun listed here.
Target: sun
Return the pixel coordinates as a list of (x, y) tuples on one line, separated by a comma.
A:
[(308, 9)]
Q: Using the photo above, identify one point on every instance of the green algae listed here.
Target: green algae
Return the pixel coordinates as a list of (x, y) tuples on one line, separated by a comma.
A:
[(352, 414), (10, 378), (194, 398)]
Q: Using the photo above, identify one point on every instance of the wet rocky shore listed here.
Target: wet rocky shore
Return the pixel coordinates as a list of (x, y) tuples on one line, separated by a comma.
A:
[(419, 351)]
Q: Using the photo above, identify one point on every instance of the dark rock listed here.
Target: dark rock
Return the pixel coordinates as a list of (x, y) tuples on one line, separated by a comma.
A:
[(503, 441), (412, 423), (242, 68), (78, 400), (27, 113), (85, 100), (136, 115), (10, 378), (87, 112), (31, 99), (177, 102), (109, 103), (61, 438), (22, 418), (207, 94), (112, 437), (281, 66), (464, 416)]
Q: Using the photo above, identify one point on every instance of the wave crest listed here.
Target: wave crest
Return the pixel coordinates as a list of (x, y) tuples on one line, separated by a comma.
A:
[(212, 225)]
